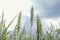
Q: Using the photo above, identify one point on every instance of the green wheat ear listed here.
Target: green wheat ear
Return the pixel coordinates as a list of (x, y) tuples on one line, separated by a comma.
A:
[(1, 23), (32, 14), (17, 28), (5, 30), (31, 21), (39, 28)]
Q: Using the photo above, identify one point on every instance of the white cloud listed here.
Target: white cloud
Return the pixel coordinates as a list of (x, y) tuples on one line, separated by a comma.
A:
[(55, 22)]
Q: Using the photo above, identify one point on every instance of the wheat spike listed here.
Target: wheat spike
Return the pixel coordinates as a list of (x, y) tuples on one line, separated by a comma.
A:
[(39, 28), (17, 28), (31, 21), (5, 30)]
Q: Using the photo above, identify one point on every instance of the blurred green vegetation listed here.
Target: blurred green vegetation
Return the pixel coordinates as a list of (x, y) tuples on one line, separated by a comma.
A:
[(51, 33)]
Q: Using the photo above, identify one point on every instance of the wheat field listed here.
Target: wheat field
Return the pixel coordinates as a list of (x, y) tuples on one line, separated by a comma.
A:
[(40, 35)]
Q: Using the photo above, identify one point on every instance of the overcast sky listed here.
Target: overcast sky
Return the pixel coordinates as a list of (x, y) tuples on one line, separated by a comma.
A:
[(49, 10)]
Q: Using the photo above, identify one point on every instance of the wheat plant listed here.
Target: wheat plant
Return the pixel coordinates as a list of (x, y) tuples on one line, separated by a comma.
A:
[(51, 33)]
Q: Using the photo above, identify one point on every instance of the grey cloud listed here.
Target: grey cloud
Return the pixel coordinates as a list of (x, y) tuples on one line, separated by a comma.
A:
[(51, 8)]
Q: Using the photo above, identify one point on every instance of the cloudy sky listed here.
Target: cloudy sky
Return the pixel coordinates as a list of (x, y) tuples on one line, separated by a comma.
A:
[(49, 10)]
